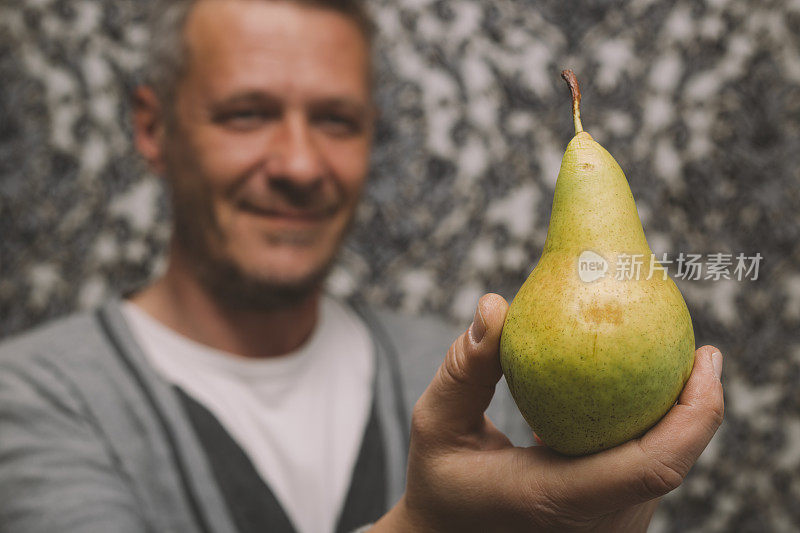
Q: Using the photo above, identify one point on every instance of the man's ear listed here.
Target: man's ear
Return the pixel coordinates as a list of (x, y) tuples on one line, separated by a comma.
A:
[(149, 126)]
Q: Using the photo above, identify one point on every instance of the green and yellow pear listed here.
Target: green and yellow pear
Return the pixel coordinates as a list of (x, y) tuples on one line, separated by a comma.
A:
[(598, 342)]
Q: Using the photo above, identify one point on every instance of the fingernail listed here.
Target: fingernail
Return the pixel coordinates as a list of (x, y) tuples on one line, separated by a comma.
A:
[(478, 328), (716, 362)]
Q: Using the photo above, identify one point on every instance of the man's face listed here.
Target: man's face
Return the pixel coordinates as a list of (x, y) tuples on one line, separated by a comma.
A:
[(267, 148)]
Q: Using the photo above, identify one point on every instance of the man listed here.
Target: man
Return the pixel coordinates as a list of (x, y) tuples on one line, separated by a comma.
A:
[(231, 394)]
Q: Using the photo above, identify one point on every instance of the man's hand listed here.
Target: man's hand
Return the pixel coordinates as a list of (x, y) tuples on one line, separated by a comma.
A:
[(465, 475)]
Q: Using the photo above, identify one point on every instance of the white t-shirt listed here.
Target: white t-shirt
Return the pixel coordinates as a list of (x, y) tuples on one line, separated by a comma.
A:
[(299, 417)]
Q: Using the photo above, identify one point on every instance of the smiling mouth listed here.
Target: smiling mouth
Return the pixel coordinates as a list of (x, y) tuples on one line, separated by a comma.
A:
[(294, 215)]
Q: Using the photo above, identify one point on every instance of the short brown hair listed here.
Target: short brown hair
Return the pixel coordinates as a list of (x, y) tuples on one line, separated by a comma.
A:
[(166, 56)]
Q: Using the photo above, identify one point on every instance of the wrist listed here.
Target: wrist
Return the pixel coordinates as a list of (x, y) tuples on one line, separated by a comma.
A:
[(401, 519)]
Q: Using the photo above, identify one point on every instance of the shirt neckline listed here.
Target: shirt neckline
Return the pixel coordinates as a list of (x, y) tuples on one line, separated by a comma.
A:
[(229, 362)]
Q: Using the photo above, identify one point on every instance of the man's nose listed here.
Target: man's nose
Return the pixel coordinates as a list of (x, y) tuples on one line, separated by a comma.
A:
[(294, 154)]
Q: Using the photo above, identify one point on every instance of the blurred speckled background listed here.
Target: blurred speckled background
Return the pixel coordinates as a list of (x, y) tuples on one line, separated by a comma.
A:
[(698, 101)]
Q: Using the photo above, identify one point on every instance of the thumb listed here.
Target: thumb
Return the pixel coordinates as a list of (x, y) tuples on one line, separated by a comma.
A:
[(464, 384)]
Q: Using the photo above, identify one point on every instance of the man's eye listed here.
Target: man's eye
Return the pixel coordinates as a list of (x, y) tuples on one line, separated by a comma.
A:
[(338, 124), (244, 119)]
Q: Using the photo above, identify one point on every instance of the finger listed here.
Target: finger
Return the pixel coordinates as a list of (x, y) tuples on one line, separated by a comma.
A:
[(464, 384), (657, 462), (677, 441)]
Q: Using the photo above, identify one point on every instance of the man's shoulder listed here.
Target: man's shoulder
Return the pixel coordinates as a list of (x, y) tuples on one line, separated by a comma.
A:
[(412, 335), (68, 337), (41, 367), (425, 330), (418, 343)]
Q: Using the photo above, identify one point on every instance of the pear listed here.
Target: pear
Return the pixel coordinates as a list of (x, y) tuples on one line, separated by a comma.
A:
[(594, 352)]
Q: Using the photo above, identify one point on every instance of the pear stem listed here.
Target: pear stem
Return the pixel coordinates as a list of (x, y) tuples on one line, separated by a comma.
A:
[(572, 81)]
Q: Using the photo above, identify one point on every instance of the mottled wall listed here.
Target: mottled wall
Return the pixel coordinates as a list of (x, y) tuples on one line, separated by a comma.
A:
[(699, 102)]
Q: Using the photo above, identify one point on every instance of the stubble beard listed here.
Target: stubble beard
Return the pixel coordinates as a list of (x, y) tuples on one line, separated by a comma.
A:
[(234, 288), (229, 283)]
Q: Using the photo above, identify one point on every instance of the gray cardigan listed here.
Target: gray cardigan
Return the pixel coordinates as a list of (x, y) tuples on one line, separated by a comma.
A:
[(93, 440)]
